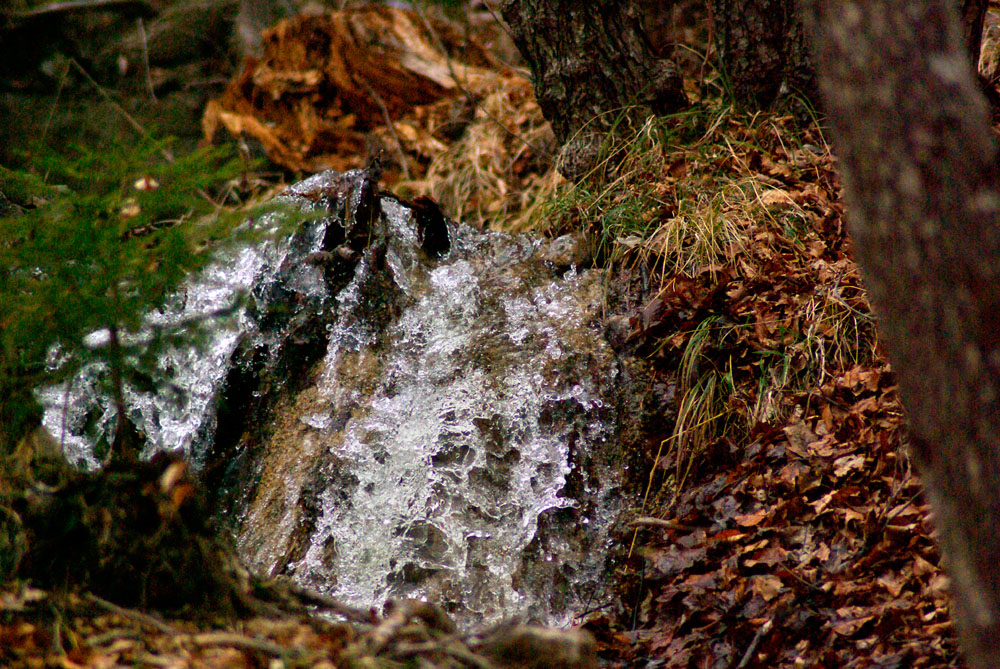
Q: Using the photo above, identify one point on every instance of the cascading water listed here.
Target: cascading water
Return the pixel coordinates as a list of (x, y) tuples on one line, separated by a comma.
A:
[(454, 440), (78, 415)]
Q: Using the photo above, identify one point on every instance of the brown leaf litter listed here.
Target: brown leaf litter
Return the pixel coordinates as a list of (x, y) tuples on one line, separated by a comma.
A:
[(793, 531)]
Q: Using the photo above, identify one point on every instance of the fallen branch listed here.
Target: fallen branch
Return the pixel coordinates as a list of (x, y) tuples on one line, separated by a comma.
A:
[(764, 629), (132, 614), (245, 642), (403, 611)]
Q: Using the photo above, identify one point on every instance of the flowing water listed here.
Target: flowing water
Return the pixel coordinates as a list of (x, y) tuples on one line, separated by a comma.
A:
[(454, 440), (80, 415)]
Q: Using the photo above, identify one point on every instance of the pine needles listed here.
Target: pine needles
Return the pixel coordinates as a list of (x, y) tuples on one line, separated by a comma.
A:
[(80, 265)]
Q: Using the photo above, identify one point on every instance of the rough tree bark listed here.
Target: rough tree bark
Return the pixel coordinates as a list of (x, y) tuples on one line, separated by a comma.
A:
[(589, 61), (920, 167), (762, 45), (973, 14)]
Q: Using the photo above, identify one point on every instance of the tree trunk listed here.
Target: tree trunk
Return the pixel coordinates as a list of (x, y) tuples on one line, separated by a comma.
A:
[(589, 62), (919, 164), (973, 14), (762, 45)]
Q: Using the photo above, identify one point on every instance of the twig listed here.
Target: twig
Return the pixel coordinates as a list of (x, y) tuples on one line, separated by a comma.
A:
[(55, 103), (327, 602), (444, 52), (145, 59), (57, 632), (390, 626), (456, 650), (113, 635), (131, 614), (402, 613), (646, 521), (240, 641), (388, 124), (764, 629), (167, 155), (211, 81), (407, 649), (155, 660), (503, 26), (461, 653), (649, 486), (121, 110), (465, 90)]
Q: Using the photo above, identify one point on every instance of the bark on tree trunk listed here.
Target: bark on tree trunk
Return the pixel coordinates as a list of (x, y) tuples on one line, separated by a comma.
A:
[(919, 164), (973, 14), (589, 61), (762, 45)]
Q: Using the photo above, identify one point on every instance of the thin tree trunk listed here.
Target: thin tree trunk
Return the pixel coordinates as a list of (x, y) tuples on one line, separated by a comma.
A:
[(123, 448), (761, 45), (589, 62), (919, 164)]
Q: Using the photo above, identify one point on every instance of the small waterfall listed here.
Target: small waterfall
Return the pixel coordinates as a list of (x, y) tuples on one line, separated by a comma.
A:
[(79, 415), (454, 441)]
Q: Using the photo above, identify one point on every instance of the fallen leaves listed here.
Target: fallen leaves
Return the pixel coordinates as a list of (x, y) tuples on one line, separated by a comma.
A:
[(810, 517), (68, 631)]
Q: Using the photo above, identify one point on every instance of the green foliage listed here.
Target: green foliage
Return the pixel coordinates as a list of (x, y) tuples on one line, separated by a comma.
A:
[(97, 257), (25, 188)]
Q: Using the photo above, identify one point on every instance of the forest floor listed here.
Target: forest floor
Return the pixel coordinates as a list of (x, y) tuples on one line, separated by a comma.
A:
[(777, 520)]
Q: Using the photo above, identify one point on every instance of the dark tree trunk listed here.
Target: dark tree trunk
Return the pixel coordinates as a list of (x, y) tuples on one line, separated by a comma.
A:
[(761, 45), (919, 164), (973, 14), (589, 61)]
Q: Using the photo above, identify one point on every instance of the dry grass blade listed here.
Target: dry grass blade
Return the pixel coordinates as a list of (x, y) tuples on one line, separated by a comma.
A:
[(497, 172)]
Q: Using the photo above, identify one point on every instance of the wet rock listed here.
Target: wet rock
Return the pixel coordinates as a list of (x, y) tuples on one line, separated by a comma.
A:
[(432, 227), (431, 414), (467, 399), (572, 250)]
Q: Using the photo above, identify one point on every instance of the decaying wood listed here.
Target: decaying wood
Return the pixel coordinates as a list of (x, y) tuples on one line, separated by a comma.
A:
[(325, 82)]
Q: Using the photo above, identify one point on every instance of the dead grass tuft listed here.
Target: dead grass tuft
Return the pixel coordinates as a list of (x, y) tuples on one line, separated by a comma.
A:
[(498, 172), (755, 302)]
